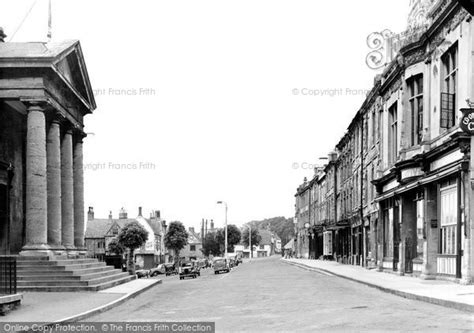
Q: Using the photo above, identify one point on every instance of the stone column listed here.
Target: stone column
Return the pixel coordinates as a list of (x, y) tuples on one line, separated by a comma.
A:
[(79, 193), (54, 184), (67, 191), (36, 185)]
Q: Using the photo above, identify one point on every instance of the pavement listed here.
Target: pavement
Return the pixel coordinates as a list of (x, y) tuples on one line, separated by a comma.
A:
[(60, 307), (444, 293)]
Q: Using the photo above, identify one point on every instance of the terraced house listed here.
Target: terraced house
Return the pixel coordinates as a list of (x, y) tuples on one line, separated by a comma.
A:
[(403, 184)]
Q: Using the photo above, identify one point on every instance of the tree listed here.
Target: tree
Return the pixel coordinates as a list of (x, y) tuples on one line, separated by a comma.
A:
[(283, 227), (176, 238), (233, 237), (256, 238), (115, 247), (132, 236), (211, 246)]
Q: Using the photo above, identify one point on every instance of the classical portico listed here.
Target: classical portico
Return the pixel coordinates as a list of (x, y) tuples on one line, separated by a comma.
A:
[(44, 95)]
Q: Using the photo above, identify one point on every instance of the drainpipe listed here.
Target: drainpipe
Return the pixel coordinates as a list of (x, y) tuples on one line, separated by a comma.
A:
[(362, 191)]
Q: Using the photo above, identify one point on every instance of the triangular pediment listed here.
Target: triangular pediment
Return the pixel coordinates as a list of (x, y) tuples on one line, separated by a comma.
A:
[(71, 65)]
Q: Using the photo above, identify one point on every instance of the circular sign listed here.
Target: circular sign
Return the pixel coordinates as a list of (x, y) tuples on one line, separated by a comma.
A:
[(307, 225), (467, 121)]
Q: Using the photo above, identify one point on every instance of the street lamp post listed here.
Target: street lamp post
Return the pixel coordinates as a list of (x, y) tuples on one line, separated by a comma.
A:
[(225, 229)]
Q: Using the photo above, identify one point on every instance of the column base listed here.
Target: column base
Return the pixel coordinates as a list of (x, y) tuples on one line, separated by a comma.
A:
[(58, 250), (82, 252), (72, 252), (36, 250)]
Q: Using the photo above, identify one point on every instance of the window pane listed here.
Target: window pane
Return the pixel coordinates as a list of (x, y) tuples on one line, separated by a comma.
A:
[(420, 85)]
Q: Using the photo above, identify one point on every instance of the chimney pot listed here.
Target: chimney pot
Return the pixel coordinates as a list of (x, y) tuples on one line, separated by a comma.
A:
[(123, 214), (139, 211), (90, 213)]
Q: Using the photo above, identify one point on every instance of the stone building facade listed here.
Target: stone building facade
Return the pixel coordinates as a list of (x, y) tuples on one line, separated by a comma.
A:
[(404, 170), (101, 231), (45, 94)]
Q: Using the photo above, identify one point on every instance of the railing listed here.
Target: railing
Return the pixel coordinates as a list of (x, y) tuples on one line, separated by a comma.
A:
[(7, 275)]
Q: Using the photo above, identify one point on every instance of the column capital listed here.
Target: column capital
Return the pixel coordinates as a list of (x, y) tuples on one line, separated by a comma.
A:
[(79, 135), (57, 118), (36, 105)]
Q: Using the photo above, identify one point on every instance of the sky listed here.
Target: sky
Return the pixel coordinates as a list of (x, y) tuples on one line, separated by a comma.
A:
[(201, 101)]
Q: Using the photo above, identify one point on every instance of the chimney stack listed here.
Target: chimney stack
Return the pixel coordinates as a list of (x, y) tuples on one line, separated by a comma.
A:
[(90, 214), (110, 215), (139, 211), (123, 214), (2, 35), (191, 229), (212, 225), (157, 214)]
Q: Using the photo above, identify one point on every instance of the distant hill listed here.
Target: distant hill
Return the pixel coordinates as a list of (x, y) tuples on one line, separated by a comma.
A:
[(281, 226)]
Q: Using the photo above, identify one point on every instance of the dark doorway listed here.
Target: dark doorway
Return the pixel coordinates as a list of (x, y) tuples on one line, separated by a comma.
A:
[(6, 174), (4, 221)]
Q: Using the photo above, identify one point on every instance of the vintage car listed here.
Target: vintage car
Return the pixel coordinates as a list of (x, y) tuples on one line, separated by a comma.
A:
[(221, 265), (159, 269), (188, 270), (170, 269)]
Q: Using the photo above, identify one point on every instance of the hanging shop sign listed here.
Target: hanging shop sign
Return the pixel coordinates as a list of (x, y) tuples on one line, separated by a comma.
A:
[(467, 121)]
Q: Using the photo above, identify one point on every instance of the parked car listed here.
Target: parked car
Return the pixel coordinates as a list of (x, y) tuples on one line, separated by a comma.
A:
[(188, 270), (159, 269), (221, 265), (170, 269)]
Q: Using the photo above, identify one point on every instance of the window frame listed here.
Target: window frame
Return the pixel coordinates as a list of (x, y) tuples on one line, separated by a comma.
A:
[(449, 86), (416, 103)]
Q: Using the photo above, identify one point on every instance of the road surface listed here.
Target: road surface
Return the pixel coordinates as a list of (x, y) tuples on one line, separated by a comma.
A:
[(269, 295)]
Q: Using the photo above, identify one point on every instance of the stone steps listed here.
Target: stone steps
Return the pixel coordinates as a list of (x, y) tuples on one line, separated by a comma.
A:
[(66, 266), (73, 288), (55, 263), (67, 275), (62, 270)]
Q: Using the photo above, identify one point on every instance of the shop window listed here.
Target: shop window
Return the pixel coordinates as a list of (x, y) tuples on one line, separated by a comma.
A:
[(388, 220), (327, 241), (448, 220), (420, 223)]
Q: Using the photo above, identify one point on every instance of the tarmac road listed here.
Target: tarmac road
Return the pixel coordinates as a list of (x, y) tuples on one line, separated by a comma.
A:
[(269, 295)]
